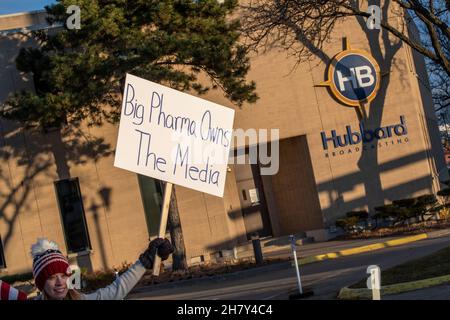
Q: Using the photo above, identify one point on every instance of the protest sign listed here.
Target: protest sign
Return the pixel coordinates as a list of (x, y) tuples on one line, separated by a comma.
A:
[(173, 136)]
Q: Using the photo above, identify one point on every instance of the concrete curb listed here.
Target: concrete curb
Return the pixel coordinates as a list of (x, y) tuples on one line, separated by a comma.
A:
[(362, 249), (358, 294), (438, 233), (209, 279)]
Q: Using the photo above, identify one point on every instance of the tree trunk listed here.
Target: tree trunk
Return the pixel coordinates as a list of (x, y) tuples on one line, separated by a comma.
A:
[(59, 151), (176, 234)]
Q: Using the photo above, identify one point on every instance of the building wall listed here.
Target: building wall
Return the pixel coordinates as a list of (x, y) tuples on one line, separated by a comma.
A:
[(32, 161), (291, 101), (294, 188), (419, 78)]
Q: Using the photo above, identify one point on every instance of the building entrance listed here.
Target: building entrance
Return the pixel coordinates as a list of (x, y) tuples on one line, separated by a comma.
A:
[(253, 202)]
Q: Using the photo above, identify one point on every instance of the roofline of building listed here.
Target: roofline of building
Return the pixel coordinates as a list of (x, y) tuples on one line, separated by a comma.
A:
[(9, 15), (29, 28)]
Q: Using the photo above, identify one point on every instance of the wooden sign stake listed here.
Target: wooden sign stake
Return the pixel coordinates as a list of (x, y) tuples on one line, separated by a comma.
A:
[(163, 223)]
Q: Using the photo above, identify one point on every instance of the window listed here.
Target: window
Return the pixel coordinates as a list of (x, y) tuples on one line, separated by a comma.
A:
[(72, 214), (2, 256)]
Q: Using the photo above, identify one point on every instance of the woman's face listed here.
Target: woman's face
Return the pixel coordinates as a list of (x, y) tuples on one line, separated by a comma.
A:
[(56, 286)]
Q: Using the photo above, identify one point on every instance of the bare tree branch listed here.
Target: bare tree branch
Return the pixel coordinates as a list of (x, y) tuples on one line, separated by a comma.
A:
[(293, 24)]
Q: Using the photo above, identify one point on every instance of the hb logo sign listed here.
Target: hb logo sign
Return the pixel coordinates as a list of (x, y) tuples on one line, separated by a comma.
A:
[(353, 77)]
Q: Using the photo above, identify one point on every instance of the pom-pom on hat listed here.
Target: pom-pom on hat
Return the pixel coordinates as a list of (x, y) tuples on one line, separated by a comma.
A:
[(47, 261)]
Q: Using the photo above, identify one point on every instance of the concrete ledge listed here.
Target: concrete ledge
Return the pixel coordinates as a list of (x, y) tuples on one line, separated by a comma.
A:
[(358, 294), (362, 249)]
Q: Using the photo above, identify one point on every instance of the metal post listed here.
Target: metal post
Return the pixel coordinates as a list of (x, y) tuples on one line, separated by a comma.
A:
[(256, 242), (297, 270)]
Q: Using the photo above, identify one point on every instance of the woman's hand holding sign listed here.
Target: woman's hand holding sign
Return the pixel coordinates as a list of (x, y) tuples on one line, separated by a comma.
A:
[(159, 246)]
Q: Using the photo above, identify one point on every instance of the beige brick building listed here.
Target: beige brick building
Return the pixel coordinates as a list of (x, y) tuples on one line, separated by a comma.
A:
[(64, 188)]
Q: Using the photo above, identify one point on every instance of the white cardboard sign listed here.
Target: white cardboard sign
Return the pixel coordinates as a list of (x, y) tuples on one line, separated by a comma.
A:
[(173, 136)]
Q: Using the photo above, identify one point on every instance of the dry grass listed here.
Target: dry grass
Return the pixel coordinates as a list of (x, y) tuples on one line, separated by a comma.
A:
[(434, 265)]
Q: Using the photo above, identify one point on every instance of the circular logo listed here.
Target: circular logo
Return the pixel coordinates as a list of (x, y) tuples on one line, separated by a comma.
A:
[(354, 77)]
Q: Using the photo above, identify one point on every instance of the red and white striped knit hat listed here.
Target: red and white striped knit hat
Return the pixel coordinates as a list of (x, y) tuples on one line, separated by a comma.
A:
[(47, 261), (10, 293)]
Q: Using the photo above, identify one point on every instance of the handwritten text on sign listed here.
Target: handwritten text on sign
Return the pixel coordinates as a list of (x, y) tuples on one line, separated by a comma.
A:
[(173, 136)]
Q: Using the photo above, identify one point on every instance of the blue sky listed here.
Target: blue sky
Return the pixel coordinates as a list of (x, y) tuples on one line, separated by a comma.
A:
[(14, 6)]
